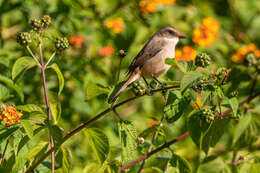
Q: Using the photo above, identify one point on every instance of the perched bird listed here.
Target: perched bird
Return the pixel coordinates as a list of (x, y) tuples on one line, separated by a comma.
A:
[(150, 61)]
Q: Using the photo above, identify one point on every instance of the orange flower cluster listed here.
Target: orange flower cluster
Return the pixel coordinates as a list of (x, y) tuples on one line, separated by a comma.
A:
[(106, 51), (116, 25), (205, 35), (77, 41), (150, 6), (238, 57), (11, 116), (187, 53)]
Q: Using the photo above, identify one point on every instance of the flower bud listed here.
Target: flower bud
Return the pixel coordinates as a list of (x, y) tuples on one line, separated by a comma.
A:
[(121, 53), (24, 38), (46, 21), (61, 43), (36, 25), (202, 60)]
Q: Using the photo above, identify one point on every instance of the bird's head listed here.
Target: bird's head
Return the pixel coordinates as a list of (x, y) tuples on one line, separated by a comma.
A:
[(170, 33)]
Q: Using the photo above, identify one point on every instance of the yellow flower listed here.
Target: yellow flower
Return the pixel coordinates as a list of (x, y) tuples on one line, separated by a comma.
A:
[(238, 57), (186, 54), (205, 35), (10, 116), (150, 6), (116, 25)]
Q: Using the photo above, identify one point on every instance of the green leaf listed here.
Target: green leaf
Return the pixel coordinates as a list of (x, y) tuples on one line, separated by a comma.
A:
[(36, 149), (56, 68), (234, 104), (188, 79), (93, 90), (57, 135), (175, 106), (11, 84), (66, 160), (128, 136), (196, 127), (27, 127), (4, 93), (30, 108), (205, 94), (214, 133), (4, 134), (21, 65), (173, 62), (56, 111), (20, 160), (98, 142), (112, 167), (180, 163), (241, 128)]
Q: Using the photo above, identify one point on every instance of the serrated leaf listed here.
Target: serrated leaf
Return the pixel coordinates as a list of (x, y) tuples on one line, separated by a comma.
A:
[(175, 106), (93, 90), (21, 65), (189, 78), (128, 136), (180, 163), (56, 68), (27, 127), (214, 133), (98, 142), (234, 105), (56, 111), (11, 84)]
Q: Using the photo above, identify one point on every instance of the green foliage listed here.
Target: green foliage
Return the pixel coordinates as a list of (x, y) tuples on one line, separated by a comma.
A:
[(99, 143), (56, 68), (180, 163)]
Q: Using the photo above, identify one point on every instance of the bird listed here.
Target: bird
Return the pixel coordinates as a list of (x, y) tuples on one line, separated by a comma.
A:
[(150, 61)]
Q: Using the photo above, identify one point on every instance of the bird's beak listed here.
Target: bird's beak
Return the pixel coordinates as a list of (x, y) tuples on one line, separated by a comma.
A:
[(180, 35)]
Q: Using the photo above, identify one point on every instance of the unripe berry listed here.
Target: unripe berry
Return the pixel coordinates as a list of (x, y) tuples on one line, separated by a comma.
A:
[(202, 60), (24, 38), (36, 25), (207, 115), (61, 43), (138, 88), (46, 21)]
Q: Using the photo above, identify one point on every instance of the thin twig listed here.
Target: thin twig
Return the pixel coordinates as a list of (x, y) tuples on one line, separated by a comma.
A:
[(234, 157), (166, 145), (47, 106), (235, 19), (49, 60), (34, 57), (3, 155)]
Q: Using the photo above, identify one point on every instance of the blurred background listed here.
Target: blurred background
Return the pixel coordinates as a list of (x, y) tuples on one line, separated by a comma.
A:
[(97, 29)]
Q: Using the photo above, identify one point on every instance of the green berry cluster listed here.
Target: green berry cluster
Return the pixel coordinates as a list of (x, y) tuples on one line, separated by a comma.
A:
[(38, 25), (139, 88), (61, 43), (207, 115), (46, 21), (253, 61), (202, 60), (24, 38)]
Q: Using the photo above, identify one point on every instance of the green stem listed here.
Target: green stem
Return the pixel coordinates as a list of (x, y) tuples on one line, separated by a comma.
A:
[(52, 56), (34, 57)]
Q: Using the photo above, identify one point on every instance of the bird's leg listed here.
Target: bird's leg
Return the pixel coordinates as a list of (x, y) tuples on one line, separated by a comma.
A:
[(148, 85), (162, 84)]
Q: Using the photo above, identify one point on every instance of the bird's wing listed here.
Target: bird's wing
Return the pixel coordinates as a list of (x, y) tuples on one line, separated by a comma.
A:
[(151, 48)]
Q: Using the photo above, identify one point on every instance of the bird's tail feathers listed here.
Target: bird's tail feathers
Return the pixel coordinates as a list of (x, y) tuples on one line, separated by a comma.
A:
[(134, 76)]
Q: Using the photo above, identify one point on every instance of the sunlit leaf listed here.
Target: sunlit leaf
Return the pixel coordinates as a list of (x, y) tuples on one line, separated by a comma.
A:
[(189, 78), (98, 142), (21, 65), (56, 68), (180, 163), (27, 127), (56, 111)]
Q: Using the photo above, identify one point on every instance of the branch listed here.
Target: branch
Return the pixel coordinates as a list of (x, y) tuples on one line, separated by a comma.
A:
[(183, 136), (166, 145), (47, 106), (100, 115)]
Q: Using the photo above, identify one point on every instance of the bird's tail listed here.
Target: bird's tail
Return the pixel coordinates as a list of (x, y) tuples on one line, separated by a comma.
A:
[(134, 76)]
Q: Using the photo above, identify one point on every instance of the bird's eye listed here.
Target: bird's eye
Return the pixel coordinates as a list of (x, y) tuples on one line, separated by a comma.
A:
[(170, 31)]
